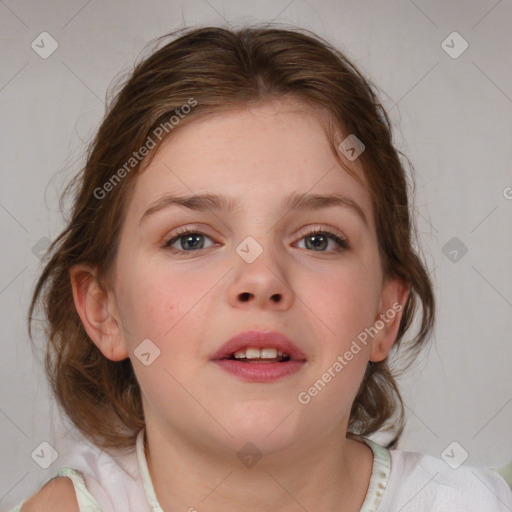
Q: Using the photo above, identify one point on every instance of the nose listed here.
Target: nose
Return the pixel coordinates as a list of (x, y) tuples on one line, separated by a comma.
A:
[(262, 284)]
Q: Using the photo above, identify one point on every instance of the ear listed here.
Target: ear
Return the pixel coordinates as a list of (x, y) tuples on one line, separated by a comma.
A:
[(395, 292), (97, 310)]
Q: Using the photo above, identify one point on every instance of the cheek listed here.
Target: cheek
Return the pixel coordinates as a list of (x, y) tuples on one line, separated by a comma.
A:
[(344, 302), (342, 307), (155, 298)]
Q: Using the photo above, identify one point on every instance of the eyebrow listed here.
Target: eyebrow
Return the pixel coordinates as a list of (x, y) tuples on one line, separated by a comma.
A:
[(296, 201)]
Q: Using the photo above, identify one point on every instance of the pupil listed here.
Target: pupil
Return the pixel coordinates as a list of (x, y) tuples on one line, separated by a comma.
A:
[(321, 244), (188, 242)]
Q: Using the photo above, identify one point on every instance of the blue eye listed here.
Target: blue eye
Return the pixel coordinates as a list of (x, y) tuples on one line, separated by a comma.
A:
[(188, 240), (318, 241)]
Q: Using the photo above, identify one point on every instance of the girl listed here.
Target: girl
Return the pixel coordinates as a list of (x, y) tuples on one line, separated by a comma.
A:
[(237, 273)]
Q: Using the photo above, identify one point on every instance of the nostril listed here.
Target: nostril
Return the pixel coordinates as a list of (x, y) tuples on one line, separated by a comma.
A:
[(276, 297), (245, 296)]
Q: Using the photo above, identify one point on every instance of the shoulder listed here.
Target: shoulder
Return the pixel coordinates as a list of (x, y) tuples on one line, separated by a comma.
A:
[(58, 495), (424, 480)]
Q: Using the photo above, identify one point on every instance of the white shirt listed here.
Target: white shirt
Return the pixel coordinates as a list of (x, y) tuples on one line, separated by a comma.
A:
[(400, 482)]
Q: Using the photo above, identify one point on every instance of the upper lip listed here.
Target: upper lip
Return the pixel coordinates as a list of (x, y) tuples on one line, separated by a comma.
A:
[(259, 339)]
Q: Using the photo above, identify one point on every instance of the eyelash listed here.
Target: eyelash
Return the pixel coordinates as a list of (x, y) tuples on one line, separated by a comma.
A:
[(341, 241)]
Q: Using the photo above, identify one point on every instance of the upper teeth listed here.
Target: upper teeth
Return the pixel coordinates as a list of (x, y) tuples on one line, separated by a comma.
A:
[(256, 353)]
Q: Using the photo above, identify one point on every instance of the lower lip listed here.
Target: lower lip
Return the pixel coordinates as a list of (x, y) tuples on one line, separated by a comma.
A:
[(260, 372)]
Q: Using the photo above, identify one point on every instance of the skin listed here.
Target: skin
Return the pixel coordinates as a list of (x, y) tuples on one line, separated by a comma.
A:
[(190, 303)]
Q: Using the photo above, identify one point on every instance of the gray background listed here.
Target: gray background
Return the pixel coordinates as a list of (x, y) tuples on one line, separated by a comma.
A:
[(452, 118)]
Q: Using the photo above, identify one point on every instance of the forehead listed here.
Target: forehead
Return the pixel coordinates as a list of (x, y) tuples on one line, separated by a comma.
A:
[(259, 153)]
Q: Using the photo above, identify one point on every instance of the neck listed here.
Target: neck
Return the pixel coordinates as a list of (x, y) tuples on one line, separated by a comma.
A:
[(307, 476)]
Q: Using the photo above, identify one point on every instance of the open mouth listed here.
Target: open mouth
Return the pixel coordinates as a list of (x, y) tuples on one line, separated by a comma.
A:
[(260, 365), (257, 355)]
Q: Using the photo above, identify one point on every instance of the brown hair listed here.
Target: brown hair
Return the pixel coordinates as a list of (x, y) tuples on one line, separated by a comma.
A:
[(218, 69)]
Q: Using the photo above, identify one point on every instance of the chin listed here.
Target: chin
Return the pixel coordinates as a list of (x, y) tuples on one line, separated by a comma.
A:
[(269, 430)]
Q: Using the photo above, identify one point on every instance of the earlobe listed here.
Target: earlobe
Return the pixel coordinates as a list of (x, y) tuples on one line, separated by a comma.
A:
[(395, 294), (93, 305)]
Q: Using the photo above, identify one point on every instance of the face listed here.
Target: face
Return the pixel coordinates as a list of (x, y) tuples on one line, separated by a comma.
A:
[(317, 278)]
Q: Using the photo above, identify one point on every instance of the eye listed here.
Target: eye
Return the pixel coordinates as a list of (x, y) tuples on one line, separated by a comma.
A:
[(318, 241), (187, 240)]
